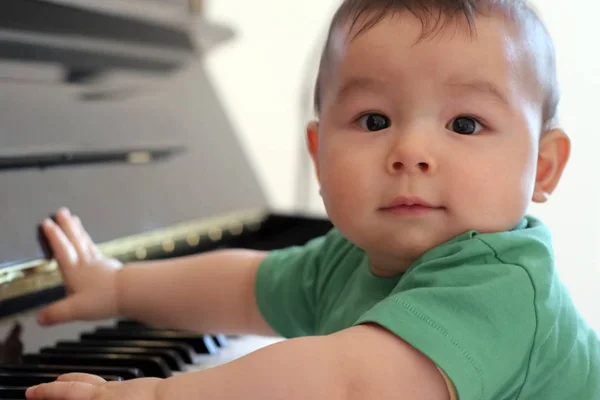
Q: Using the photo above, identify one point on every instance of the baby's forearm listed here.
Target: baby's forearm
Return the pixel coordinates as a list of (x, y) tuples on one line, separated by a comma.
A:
[(303, 368), (363, 362), (211, 292)]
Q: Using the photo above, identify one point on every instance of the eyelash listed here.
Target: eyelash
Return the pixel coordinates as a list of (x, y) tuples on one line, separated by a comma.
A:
[(479, 120), (356, 120), (365, 113)]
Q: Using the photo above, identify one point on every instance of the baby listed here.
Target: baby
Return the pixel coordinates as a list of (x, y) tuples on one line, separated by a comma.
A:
[(436, 128)]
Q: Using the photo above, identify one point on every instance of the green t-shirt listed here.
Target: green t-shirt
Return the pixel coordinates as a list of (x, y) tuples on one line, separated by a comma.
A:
[(488, 309)]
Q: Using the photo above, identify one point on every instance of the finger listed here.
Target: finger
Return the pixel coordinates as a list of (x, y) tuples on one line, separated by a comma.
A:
[(69, 227), (87, 240), (83, 240), (64, 252), (62, 391), (79, 377), (61, 311)]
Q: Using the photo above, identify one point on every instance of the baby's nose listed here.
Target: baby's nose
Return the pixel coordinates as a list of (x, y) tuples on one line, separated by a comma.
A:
[(423, 166), (411, 153)]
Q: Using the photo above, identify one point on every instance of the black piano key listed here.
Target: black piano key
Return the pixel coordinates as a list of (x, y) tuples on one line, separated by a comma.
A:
[(149, 366), (185, 351), (171, 358), (124, 372), (201, 343), (124, 323), (131, 325), (220, 340), (20, 379), (153, 330), (12, 393)]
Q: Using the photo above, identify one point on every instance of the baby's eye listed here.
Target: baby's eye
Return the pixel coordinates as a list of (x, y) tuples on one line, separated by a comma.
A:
[(464, 125), (374, 122)]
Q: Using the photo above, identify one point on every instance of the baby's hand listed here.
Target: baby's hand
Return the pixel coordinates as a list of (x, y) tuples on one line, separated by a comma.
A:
[(90, 278), (91, 387)]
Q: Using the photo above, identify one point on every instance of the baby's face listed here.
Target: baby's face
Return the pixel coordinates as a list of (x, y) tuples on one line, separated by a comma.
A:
[(449, 121)]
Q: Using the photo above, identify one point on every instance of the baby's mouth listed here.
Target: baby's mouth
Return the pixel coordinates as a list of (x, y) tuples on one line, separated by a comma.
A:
[(410, 206)]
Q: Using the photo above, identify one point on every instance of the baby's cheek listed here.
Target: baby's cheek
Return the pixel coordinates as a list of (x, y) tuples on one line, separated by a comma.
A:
[(345, 191), (338, 166), (489, 201), (338, 186)]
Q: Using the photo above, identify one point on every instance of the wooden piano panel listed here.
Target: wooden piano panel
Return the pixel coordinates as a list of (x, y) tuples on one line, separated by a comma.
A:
[(193, 202), (212, 177)]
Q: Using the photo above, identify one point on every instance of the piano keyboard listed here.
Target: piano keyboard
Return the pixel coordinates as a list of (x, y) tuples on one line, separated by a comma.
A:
[(120, 351)]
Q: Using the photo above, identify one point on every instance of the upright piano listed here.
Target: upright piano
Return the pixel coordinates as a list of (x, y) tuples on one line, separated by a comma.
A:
[(109, 111)]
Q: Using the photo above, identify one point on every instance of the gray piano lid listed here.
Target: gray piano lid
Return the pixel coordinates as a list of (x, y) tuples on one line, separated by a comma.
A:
[(112, 34), (212, 176)]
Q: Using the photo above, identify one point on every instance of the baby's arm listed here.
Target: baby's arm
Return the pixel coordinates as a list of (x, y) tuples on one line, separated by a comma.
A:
[(363, 362), (211, 292), (215, 292)]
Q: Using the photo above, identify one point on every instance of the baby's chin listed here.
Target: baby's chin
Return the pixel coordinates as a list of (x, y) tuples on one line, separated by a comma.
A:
[(411, 242), (397, 252), (405, 250)]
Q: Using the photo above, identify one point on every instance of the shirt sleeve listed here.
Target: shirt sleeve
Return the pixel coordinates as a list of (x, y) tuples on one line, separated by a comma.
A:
[(477, 322), (287, 286)]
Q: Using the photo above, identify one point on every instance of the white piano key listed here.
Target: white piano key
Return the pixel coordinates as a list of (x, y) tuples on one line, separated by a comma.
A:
[(34, 337), (237, 347)]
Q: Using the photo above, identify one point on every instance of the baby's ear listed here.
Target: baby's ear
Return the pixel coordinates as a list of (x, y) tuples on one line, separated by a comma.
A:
[(312, 141), (553, 155)]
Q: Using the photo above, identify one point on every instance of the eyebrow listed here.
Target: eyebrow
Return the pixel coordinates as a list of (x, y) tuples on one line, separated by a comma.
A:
[(481, 86), (359, 83)]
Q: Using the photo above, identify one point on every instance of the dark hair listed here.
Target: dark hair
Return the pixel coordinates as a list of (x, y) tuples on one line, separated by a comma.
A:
[(436, 14)]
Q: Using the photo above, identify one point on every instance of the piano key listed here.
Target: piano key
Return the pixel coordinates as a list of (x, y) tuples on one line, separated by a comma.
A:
[(201, 343), (183, 350), (171, 358), (131, 325), (221, 340), (238, 348), (125, 373), (20, 379), (157, 331), (12, 393), (149, 366), (123, 323)]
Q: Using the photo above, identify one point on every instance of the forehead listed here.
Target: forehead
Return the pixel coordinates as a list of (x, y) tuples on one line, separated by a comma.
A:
[(395, 50)]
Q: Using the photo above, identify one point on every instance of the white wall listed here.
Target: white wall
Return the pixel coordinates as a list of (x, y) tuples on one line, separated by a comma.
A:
[(262, 73)]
